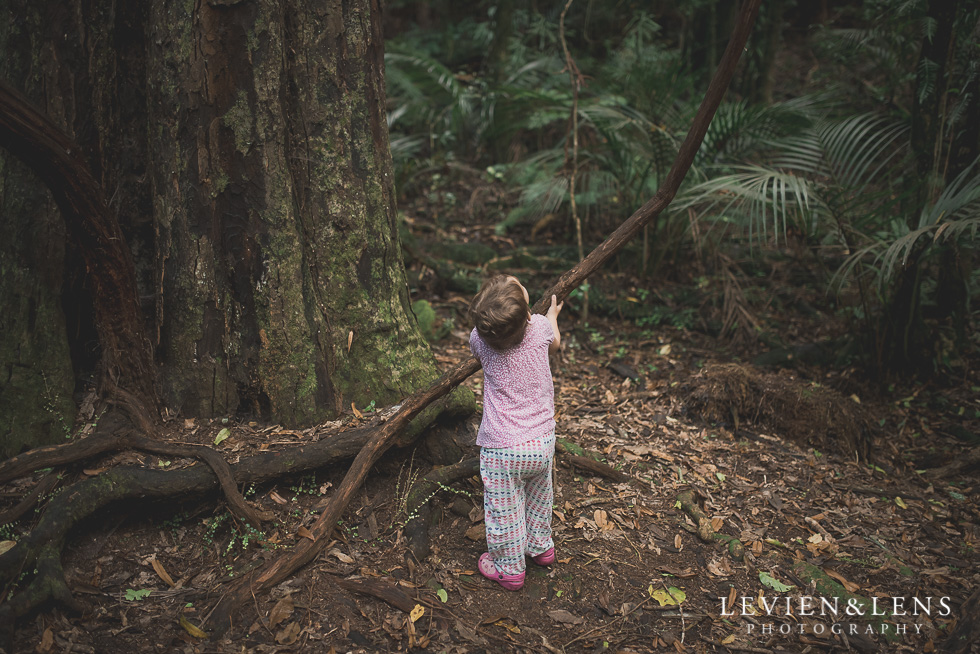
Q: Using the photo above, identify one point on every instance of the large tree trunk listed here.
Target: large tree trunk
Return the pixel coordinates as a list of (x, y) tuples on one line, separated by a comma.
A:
[(243, 146), (282, 288)]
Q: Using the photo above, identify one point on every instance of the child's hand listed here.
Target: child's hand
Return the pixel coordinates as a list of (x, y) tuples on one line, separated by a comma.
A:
[(555, 308), (552, 316)]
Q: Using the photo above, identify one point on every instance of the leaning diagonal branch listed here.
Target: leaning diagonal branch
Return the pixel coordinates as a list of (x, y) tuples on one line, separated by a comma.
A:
[(281, 568)]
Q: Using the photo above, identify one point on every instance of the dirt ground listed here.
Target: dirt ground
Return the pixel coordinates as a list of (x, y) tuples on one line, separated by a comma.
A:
[(632, 574), (770, 455)]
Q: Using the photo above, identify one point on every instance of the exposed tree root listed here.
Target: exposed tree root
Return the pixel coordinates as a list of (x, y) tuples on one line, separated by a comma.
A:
[(705, 532), (239, 507), (41, 548), (100, 443), (52, 456), (47, 483)]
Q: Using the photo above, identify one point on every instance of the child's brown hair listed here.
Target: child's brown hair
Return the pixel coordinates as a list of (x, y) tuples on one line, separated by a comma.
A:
[(500, 313)]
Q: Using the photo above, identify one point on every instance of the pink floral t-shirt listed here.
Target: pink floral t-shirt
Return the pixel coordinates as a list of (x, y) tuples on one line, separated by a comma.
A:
[(518, 393)]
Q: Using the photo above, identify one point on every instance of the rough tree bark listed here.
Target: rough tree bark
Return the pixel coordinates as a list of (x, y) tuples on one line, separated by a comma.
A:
[(282, 288)]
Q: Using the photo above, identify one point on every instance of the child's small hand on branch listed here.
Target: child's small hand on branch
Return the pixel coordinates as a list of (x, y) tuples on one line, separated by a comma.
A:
[(555, 308), (552, 317)]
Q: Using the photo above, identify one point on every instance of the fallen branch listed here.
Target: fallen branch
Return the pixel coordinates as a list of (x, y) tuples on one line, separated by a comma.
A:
[(597, 467), (387, 593), (280, 569)]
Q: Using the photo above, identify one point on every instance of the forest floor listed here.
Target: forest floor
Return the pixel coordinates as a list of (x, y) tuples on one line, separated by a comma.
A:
[(660, 401)]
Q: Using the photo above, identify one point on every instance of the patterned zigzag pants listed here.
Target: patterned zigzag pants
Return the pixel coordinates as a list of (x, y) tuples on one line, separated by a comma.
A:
[(517, 501)]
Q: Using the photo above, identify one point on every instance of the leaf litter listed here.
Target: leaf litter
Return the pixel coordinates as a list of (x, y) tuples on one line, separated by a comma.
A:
[(754, 447)]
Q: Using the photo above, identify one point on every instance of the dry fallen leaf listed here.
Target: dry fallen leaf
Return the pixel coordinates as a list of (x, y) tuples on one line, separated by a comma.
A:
[(512, 628), (681, 573), (849, 585), (477, 532), (303, 532), (162, 572), (289, 635), (190, 628), (282, 610), (47, 641), (277, 498), (720, 568), (417, 612), (563, 616), (340, 555)]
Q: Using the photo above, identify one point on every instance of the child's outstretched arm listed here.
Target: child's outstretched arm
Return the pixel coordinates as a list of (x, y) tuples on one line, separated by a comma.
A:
[(552, 317)]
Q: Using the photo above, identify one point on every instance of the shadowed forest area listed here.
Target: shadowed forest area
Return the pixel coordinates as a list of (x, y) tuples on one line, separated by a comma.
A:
[(238, 407)]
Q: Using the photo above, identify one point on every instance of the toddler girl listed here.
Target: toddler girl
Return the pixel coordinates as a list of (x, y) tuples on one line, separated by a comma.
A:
[(517, 434)]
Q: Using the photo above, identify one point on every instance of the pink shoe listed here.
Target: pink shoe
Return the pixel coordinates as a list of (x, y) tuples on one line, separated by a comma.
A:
[(546, 557), (489, 570)]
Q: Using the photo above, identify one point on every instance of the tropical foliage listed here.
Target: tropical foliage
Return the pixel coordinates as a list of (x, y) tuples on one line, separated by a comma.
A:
[(838, 167)]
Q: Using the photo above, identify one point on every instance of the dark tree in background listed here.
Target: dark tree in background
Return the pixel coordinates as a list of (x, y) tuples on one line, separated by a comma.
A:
[(243, 148)]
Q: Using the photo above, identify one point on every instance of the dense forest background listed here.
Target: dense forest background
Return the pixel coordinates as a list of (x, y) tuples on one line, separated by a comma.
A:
[(848, 140)]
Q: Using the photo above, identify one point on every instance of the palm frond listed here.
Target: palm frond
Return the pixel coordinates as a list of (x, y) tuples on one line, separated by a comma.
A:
[(766, 199)]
